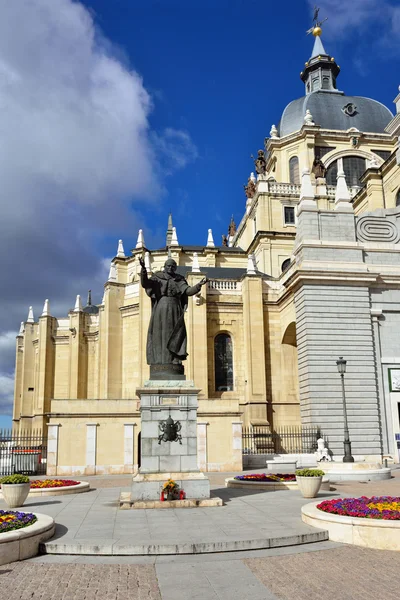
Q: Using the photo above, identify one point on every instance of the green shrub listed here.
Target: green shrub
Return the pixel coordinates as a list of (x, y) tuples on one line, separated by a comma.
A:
[(10, 479), (309, 472)]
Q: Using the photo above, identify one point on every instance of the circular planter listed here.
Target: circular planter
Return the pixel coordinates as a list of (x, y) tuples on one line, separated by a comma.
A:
[(309, 486), (270, 486), (83, 486), (24, 543), (369, 533), (15, 494)]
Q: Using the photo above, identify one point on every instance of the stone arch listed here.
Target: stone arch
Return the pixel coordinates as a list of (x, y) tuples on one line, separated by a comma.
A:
[(289, 366)]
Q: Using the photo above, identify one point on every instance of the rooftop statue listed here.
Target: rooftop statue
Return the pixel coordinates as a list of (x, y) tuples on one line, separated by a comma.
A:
[(318, 168), (169, 291), (260, 163)]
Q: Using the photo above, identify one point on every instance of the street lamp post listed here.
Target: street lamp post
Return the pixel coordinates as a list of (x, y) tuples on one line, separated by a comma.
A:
[(341, 367)]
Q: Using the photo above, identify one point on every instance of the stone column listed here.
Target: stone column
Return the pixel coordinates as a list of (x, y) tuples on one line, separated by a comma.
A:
[(129, 444), (202, 446), (237, 453), (52, 448), (91, 444)]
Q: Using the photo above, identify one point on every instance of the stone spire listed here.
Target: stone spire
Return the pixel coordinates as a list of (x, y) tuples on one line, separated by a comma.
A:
[(307, 195), (210, 239), (195, 263), (112, 276), (174, 238), (250, 265), (140, 240), (321, 70), (342, 194), (89, 298), (30, 318), (21, 329), (78, 304), (169, 231), (147, 261), (120, 251), (46, 309)]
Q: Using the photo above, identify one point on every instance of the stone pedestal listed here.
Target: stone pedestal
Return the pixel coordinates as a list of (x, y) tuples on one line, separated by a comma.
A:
[(162, 460)]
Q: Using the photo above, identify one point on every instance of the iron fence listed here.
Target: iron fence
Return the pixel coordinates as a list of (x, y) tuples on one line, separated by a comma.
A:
[(24, 452), (259, 439)]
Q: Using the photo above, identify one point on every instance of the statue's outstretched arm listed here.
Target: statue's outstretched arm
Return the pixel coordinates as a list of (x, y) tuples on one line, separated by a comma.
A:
[(195, 289)]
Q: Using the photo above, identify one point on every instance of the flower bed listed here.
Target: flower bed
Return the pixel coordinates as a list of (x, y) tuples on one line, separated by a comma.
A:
[(52, 483), (271, 477), (378, 507), (10, 520)]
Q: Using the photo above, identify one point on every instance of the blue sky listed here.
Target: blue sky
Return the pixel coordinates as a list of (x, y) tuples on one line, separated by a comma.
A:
[(115, 112)]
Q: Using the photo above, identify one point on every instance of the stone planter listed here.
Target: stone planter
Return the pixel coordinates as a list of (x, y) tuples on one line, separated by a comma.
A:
[(309, 486), (15, 494)]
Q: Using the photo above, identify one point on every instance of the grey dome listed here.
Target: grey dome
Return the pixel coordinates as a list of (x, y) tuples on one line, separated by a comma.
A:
[(326, 109)]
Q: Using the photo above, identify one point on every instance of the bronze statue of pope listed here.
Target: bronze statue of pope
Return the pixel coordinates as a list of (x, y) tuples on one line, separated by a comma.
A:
[(169, 291)]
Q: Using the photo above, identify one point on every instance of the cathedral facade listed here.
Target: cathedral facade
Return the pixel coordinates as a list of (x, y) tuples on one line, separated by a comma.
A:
[(311, 273)]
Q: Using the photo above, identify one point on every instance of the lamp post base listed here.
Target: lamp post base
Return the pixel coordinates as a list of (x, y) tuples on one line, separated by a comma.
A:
[(347, 458)]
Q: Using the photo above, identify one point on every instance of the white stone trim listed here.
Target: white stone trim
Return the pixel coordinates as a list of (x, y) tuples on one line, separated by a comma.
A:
[(91, 444), (202, 446), (129, 444), (52, 448)]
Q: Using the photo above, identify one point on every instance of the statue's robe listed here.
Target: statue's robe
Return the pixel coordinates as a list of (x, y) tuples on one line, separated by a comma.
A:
[(166, 337)]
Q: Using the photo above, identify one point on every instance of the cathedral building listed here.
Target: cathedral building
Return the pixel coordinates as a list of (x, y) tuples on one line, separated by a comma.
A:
[(311, 273)]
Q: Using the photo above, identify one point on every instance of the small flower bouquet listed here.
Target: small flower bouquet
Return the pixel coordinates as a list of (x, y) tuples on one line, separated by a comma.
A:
[(171, 488)]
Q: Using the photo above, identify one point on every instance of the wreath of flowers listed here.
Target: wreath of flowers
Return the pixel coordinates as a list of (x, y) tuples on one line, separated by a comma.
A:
[(376, 507), (267, 477), (52, 483), (10, 520)]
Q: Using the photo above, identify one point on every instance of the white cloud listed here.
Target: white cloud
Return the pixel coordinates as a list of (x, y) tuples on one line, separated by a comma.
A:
[(354, 18), (6, 393), (76, 150)]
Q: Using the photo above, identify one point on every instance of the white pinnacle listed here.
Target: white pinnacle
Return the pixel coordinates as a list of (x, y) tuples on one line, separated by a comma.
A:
[(274, 132), (147, 262), (140, 241), (30, 318), (210, 239), (21, 329), (174, 238), (195, 263), (250, 265), (308, 118), (46, 309), (112, 276), (306, 190), (342, 191), (78, 304), (120, 251), (252, 177)]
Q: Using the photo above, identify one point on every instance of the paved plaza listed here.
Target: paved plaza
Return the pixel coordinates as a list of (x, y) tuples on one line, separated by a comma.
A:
[(309, 571)]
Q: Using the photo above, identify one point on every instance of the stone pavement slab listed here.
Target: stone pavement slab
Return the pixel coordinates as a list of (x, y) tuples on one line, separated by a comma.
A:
[(231, 580)]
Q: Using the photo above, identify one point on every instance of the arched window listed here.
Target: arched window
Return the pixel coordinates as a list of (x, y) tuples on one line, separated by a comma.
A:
[(223, 362), (353, 167), (294, 170), (325, 83), (398, 198), (285, 265)]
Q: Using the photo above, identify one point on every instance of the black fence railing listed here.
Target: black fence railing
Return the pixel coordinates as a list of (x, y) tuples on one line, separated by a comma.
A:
[(22, 452), (257, 439)]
